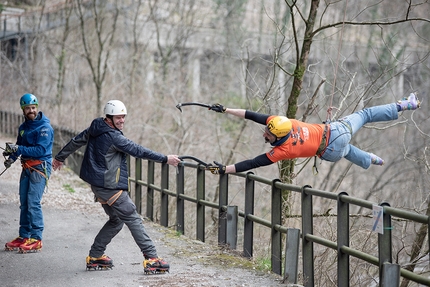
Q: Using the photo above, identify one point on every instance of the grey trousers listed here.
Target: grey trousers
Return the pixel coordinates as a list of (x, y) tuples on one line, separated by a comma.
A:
[(122, 211)]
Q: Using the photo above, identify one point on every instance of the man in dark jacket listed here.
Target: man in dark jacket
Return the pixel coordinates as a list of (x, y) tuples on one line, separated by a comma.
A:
[(34, 147), (104, 167)]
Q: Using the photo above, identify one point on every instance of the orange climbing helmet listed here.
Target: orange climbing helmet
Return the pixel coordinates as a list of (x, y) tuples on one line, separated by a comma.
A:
[(279, 126)]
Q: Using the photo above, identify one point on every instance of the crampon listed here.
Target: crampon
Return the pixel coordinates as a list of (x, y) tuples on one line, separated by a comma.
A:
[(101, 263), (30, 245), (14, 244), (155, 266)]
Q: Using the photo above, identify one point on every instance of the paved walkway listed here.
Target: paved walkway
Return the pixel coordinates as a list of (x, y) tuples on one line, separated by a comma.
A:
[(69, 234)]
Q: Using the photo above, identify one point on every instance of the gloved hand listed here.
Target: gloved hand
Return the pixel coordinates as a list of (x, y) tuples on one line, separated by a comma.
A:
[(217, 108), (218, 168), (10, 149), (8, 162)]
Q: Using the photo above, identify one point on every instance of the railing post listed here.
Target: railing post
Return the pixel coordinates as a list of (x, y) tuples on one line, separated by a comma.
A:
[(4, 27), (180, 203), (390, 275), (276, 234), (137, 186), (2, 121), (232, 217), (222, 217), (200, 232), (150, 191), (292, 248), (343, 272), (164, 218), (248, 229), (307, 246), (385, 243)]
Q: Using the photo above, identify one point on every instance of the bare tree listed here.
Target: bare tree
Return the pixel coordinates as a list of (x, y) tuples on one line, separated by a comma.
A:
[(98, 23)]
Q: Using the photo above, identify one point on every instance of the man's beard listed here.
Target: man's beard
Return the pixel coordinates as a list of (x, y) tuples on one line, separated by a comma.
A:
[(31, 116)]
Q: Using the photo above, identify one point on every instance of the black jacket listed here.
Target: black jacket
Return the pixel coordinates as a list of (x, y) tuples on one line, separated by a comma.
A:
[(104, 164)]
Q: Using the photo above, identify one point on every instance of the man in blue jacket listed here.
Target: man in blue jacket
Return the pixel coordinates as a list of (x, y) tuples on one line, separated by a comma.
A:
[(104, 167), (34, 147)]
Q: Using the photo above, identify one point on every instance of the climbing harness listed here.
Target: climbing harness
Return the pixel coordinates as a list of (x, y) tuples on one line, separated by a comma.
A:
[(112, 199), (31, 163)]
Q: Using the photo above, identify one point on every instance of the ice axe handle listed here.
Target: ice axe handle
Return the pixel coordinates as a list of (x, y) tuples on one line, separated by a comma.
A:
[(192, 104)]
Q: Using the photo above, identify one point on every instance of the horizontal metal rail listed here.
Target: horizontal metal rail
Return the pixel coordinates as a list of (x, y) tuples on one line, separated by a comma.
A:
[(308, 191)]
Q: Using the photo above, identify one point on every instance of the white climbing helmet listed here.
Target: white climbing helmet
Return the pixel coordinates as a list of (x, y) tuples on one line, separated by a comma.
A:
[(114, 108)]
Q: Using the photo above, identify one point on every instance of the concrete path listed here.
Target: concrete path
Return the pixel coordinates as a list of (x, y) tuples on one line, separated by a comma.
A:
[(70, 230)]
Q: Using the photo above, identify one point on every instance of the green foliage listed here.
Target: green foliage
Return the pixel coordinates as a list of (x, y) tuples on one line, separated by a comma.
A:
[(69, 188), (300, 72), (263, 264)]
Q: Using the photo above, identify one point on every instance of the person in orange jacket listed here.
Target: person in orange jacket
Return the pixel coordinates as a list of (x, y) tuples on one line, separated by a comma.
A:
[(292, 139)]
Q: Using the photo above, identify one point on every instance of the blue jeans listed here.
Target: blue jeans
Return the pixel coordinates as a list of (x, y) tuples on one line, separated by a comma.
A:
[(122, 211), (31, 187), (342, 130)]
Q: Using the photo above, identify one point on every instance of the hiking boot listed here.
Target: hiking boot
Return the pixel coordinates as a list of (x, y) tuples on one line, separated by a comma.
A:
[(410, 103), (376, 160), (30, 244), (14, 244), (155, 265), (102, 262)]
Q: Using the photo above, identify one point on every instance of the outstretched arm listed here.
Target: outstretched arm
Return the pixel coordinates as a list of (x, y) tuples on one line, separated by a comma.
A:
[(236, 112), (73, 145), (261, 160), (241, 113)]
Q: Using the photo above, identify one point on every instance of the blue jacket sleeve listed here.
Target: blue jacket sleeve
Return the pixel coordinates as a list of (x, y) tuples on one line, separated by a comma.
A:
[(37, 144)]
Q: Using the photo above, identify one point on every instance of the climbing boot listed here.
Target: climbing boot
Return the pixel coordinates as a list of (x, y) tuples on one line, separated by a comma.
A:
[(15, 244), (30, 245), (102, 262), (410, 103), (155, 265)]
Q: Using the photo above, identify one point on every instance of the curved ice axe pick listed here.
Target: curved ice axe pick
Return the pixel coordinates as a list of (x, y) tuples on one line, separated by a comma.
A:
[(192, 104), (182, 157)]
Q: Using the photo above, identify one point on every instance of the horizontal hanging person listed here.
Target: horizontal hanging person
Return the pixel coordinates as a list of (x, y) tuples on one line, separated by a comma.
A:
[(292, 139)]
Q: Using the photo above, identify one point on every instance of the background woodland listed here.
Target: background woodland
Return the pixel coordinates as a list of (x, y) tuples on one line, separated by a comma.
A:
[(310, 60)]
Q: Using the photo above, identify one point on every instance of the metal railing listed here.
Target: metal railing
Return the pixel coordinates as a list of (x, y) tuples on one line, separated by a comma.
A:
[(389, 272)]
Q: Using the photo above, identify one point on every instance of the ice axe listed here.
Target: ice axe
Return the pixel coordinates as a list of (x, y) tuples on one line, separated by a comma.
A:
[(7, 151), (182, 157), (192, 104)]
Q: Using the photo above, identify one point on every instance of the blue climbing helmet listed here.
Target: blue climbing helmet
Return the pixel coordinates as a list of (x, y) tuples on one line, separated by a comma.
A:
[(28, 99)]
